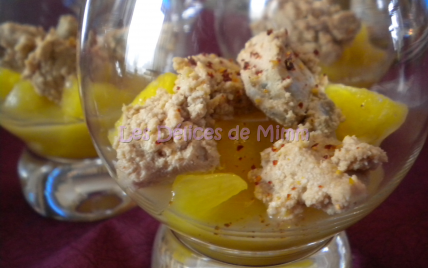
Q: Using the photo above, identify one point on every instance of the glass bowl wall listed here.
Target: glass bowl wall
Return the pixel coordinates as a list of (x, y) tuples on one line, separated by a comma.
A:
[(150, 34)]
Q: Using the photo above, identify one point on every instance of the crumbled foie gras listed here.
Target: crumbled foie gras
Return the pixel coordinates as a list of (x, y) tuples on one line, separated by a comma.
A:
[(67, 27), (47, 60), (211, 84), (108, 53), (49, 66), (322, 173), (16, 43), (282, 86), (319, 27), (207, 87)]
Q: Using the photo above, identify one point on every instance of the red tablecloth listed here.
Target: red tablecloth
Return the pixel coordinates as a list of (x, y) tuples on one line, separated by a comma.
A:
[(394, 236)]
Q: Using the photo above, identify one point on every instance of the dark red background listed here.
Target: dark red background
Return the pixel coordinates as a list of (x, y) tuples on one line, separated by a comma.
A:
[(394, 236)]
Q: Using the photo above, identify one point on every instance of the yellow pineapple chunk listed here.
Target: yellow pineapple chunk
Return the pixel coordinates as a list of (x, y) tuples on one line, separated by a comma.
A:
[(70, 103), (197, 194), (369, 115), (165, 81), (23, 101), (46, 129), (8, 79), (361, 64)]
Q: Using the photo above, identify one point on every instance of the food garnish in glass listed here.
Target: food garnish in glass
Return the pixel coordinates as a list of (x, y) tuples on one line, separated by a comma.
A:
[(237, 139), (60, 173)]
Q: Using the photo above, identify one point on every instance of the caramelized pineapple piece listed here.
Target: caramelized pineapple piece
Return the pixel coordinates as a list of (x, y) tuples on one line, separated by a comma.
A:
[(165, 81), (23, 101), (70, 103), (8, 79), (196, 194), (361, 64), (370, 116)]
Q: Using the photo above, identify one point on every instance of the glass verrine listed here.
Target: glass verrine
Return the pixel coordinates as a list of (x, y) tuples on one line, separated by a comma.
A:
[(231, 193), (60, 172)]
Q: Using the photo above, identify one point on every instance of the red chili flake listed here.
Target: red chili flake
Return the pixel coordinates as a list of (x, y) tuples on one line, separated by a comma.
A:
[(294, 188), (289, 64), (316, 52), (300, 105), (330, 147), (210, 64), (255, 55), (275, 162), (269, 182), (226, 77), (269, 32), (240, 158), (282, 145), (158, 142), (179, 110), (259, 72), (178, 88), (240, 147), (192, 61), (246, 65), (274, 149), (253, 167), (315, 145), (320, 186), (256, 183), (211, 75), (326, 157)]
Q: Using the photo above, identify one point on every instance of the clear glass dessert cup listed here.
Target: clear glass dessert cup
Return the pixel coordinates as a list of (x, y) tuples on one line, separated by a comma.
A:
[(60, 172), (127, 49)]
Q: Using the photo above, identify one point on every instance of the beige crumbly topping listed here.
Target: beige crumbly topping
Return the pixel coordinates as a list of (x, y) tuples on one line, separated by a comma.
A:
[(67, 27), (108, 55), (16, 43), (321, 173), (211, 84), (48, 67), (319, 27), (322, 114), (356, 155), (148, 161), (207, 88), (115, 43), (47, 60), (282, 86)]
